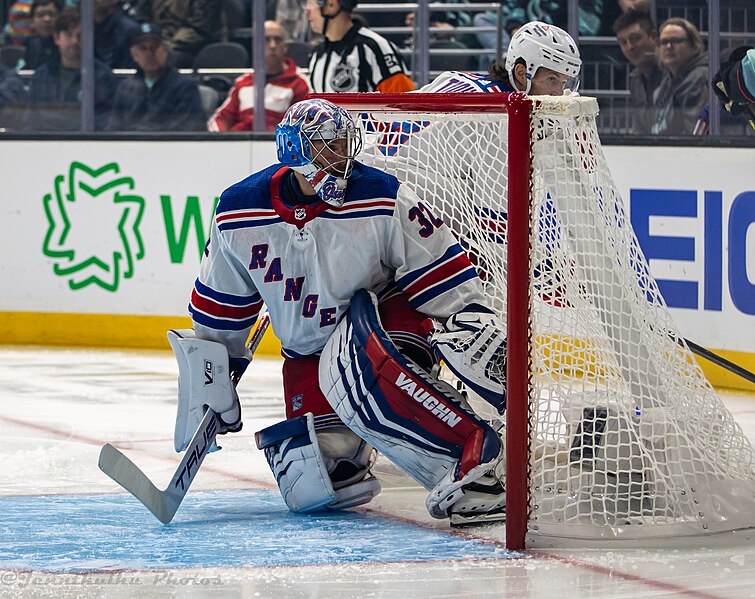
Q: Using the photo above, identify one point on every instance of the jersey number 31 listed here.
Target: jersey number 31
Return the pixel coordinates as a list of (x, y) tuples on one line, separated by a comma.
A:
[(427, 221)]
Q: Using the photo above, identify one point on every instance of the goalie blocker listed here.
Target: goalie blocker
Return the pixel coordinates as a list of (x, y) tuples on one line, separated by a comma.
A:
[(204, 380), (421, 424)]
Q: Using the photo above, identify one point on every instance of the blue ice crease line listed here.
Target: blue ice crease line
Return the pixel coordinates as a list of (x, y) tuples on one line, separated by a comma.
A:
[(248, 528)]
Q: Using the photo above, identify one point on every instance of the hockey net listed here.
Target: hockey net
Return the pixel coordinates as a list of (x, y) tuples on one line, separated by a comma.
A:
[(612, 430)]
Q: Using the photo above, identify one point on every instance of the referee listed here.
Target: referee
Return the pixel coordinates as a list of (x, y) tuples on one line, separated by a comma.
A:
[(353, 58)]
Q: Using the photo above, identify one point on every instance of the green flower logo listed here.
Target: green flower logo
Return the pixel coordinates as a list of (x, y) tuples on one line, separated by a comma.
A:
[(93, 235)]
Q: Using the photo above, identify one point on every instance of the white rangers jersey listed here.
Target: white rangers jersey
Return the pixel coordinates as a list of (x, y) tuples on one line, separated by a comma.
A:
[(462, 82), (305, 262)]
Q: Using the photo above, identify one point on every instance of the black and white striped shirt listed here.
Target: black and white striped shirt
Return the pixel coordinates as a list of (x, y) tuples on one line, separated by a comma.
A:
[(358, 62)]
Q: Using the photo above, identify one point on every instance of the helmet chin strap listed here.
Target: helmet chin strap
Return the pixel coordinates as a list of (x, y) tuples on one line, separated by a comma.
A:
[(328, 17), (329, 188), (528, 85), (338, 12), (515, 85)]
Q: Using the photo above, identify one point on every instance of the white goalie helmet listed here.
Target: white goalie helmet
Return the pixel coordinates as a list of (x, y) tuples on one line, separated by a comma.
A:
[(320, 122), (538, 45)]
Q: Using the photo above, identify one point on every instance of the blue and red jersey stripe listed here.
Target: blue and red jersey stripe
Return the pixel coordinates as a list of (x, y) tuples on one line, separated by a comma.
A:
[(449, 271), (223, 311)]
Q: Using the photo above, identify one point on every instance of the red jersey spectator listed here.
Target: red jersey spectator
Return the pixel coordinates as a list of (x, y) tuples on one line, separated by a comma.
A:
[(284, 85)]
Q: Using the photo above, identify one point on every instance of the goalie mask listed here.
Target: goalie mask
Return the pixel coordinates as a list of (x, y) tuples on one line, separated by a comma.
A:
[(319, 140), (538, 44)]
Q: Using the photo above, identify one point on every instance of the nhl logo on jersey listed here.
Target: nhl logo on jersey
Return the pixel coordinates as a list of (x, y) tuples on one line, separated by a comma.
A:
[(343, 79), (300, 213), (296, 402)]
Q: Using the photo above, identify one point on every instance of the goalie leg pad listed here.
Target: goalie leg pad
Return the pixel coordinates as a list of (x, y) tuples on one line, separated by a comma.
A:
[(203, 380), (408, 329), (414, 420), (311, 479)]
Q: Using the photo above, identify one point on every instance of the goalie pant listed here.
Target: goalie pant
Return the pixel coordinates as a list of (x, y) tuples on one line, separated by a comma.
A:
[(318, 463), (414, 420)]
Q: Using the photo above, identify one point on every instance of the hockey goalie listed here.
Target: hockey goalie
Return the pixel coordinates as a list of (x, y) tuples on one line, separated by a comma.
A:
[(367, 290)]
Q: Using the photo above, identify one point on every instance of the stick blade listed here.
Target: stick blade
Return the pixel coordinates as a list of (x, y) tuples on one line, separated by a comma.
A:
[(123, 471)]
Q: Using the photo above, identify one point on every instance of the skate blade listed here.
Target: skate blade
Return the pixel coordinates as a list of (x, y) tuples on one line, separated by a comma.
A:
[(461, 520)]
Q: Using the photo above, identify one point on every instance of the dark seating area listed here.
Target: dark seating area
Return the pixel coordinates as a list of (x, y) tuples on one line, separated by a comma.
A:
[(452, 46)]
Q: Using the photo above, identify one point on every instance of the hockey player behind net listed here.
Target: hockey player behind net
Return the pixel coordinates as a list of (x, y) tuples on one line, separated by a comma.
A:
[(541, 60), (356, 273)]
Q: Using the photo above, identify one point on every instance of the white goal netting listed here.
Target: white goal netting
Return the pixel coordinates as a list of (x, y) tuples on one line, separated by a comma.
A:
[(627, 439)]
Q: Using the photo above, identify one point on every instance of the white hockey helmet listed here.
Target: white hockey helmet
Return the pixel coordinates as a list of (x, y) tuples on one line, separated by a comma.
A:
[(538, 45)]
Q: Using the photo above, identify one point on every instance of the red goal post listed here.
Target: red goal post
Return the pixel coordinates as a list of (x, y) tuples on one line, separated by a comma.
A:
[(612, 432), (518, 108)]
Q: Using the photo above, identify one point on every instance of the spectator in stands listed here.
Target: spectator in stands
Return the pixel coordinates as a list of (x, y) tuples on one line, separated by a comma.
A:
[(683, 91), (187, 25), (353, 58), (11, 92), (18, 28), (734, 83), (158, 97), (448, 21), (54, 102), (553, 12), (285, 84), (113, 29), (638, 40), (40, 46)]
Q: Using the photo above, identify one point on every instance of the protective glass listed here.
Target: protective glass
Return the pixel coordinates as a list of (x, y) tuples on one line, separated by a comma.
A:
[(547, 82), (572, 84)]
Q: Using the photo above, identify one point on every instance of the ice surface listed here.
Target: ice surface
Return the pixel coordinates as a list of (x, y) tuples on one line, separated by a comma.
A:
[(251, 528), (66, 530)]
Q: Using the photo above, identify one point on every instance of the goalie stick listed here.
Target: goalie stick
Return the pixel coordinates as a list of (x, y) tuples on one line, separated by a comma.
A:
[(719, 360), (164, 504)]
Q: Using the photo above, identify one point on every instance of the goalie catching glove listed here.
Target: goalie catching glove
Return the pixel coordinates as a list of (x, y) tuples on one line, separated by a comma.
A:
[(473, 347)]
